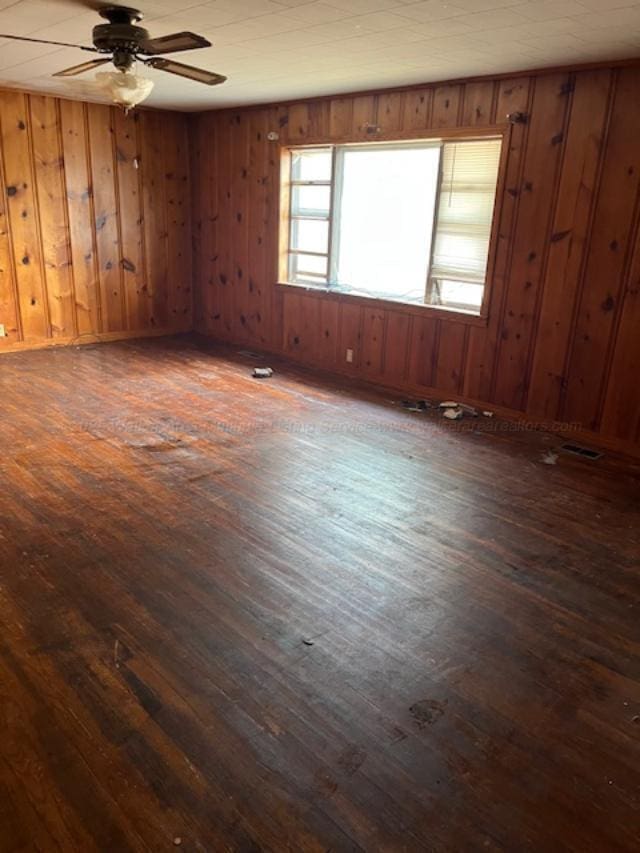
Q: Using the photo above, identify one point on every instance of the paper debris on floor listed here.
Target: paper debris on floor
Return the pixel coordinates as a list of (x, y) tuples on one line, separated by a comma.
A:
[(453, 414), (452, 410)]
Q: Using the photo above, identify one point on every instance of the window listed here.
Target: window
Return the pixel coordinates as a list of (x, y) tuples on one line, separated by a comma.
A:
[(409, 222)]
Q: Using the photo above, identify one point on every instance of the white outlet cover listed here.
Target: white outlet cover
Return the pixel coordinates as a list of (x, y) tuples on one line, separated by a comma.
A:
[(3, 332), (349, 356)]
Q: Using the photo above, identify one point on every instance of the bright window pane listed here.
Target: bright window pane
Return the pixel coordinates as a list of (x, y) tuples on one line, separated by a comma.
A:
[(458, 294), (311, 165), (309, 235), (310, 201), (310, 269), (386, 220)]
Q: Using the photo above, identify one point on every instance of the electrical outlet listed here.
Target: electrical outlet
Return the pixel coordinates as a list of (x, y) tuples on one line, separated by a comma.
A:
[(349, 356), (3, 332)]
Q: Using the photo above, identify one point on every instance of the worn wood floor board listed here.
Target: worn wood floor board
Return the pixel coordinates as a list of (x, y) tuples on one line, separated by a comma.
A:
[(289, 615)]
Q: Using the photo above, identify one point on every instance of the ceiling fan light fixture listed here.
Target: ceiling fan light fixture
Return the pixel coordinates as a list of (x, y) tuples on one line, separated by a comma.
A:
[(125, 88), (121, 42)]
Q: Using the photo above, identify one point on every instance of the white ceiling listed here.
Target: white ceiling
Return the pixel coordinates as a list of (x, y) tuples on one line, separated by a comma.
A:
[(273, 50)]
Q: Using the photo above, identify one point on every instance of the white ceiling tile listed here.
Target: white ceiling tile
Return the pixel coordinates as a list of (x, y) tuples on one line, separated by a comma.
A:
[(317, 13), (605, 5), (431, 10), (295, 4), (549, 10), (611, 35), (378, 21), (629, 17), (494, 18), (565, 41), (361, 7), (14, 53), (248, 8), (484, 5), (534, 32), (436, 29)]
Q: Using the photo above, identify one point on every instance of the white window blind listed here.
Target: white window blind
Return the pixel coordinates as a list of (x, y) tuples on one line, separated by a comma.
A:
[(465, 212)]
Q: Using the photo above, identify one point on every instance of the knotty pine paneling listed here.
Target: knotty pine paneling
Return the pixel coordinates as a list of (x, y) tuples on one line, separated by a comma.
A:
[(95, 221), (560, 340)]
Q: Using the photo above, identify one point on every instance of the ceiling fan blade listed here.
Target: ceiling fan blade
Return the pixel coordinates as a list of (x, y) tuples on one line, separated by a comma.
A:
[(44, 41), (80, 69), (210, 78), (173, 43)]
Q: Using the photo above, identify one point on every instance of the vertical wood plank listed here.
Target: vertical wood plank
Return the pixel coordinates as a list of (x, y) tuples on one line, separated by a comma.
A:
[(478, 104), (258, 313), (422, 351), (298, 127), (198, 200), (49, 174), (209, 144), (390, 111), (350, 336), (272, 295), (301, 325), (131, 221), (340, 117), (450, 357), (319, 119), (396, 349), (106, 217), (80, 217), (239, 226), (446, 105), (329, 328), (155, 216), (176, 173), (364, 117), (621, 415), (417, 109), (23, 213), (224, 219), (9, 314), (373, 341)]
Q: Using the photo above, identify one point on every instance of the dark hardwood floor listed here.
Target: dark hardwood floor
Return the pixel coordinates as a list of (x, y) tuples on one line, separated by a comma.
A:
[(287, 615)]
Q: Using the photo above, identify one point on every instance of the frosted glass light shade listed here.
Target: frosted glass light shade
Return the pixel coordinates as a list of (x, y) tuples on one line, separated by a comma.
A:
[(124, 88)]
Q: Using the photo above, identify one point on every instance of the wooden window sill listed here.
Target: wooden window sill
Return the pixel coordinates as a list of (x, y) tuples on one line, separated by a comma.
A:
[(387, 304)]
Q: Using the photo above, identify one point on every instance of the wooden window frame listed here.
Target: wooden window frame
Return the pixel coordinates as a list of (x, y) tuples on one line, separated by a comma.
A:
[(300, 218), (462, 134)]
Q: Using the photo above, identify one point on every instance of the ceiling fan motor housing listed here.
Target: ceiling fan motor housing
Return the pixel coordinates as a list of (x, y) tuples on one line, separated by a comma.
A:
[(121, 36), (111, 37)]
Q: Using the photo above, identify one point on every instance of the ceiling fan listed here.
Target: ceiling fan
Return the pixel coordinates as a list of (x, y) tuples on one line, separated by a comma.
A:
[(126, 43)]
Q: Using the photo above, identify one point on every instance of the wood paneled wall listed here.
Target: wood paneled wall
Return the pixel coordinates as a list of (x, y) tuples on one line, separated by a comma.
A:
[(562, 340), (95, 230)]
